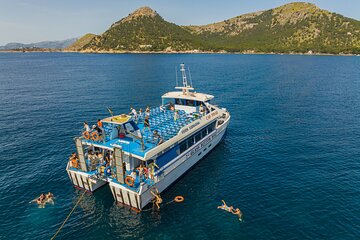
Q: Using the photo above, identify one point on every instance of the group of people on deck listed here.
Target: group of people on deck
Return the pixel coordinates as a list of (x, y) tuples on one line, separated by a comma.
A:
[(98, 127), (144, 172), (146, 119), (103, 161), (140, 114)]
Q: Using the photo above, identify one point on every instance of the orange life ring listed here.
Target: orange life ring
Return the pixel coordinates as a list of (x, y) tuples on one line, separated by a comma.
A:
[(74, 163), (95, 136), (129, 181), (179, 199), (86, 135)]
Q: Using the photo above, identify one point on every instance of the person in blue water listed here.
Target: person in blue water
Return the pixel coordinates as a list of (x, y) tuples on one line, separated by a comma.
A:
[(231, 209), (226, 207), (237, 212)]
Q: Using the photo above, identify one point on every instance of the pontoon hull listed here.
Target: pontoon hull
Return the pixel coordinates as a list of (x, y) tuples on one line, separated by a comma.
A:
[(84, 181)]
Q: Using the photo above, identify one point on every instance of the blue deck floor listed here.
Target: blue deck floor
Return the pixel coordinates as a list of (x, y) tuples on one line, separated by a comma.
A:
[(162, 121)]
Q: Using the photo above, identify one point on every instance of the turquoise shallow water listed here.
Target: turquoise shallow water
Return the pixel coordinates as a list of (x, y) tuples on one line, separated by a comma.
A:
[(290, 159)]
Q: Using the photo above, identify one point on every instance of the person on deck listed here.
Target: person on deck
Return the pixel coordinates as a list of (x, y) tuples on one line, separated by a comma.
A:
[(140, 113), (134, 113), (176, 115), (147, 111), (202, 110), (141, 171), (99, 123), (151, 169), (86, 127), (162, 108), (133, 175), (146, 123), (158, 138), (73, 160)]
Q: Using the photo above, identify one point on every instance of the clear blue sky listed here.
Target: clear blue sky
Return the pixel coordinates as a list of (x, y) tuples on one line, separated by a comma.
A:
[(32, 21)]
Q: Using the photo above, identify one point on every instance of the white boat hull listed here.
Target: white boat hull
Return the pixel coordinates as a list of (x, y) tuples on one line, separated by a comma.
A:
[(170, 172), (84, 181)]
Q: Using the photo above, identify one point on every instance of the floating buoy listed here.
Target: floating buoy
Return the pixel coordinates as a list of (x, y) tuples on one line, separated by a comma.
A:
[(179, 199)]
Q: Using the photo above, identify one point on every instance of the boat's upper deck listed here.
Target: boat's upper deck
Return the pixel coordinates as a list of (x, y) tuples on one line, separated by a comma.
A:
[(160, 119)]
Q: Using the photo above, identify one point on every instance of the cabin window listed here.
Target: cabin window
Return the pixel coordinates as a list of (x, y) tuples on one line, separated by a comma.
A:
[(190, 141), (183, 147), (198, 137), (211, 127), (204, 132), (178, 101), (190, 103)]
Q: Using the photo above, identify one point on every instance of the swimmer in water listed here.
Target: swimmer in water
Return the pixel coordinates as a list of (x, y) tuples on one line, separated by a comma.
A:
[(226, 207), (238, 212), (49, 198), (40, 200), (43, 199)]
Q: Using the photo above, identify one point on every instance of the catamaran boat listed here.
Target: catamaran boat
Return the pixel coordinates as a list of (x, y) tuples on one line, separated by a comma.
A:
[(140, 153)]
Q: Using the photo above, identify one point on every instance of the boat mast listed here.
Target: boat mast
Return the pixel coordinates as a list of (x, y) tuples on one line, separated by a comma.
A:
[(186, 85)]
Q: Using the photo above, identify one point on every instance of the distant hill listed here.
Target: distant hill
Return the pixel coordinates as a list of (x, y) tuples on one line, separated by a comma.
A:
[(294, 27), (41, 45), (80, 43), (144, 30)]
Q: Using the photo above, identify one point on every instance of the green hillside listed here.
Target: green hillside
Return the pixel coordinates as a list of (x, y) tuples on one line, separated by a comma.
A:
[(144, 30), (81, 42), (294, 27)]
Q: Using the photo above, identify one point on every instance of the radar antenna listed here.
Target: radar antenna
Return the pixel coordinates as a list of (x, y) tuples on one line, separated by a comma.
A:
[(186, 88)]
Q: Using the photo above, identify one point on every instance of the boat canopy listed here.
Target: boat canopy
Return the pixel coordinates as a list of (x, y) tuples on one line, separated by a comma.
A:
[(202, 97)]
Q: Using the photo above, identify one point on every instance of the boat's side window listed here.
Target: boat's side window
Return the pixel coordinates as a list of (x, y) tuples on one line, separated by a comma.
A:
[(198, 137), (190, 103), (204, 132), (178, 101), (190, 141), (211, 127), (183, 147)]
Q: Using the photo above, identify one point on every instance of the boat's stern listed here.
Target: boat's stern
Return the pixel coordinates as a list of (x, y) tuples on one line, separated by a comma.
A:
[(84, 180)]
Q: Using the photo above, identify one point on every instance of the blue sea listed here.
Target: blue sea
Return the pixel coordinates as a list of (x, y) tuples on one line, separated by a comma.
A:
[(290, 160)]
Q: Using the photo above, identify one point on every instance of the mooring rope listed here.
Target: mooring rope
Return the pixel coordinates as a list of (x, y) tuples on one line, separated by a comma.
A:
[(67, 218)]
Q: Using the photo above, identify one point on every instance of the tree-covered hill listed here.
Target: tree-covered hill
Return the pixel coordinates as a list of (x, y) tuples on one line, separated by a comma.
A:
[(294, 27), (144, 30)]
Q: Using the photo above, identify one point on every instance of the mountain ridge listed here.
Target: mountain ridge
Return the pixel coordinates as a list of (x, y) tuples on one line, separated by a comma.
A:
[(58, 44), (297, 27)]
